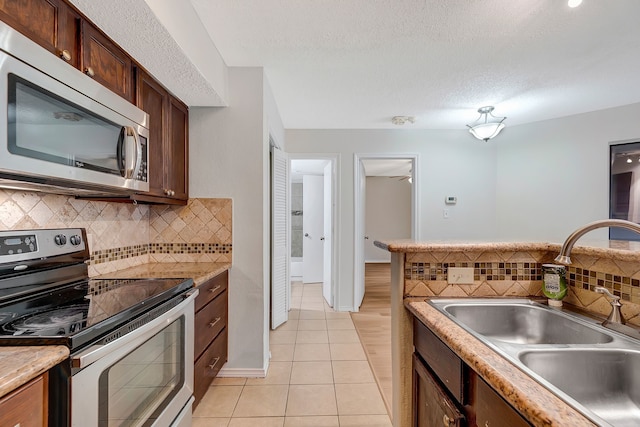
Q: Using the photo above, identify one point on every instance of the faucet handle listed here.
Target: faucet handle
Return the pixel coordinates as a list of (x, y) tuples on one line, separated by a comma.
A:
[(616, 314), (601, 290)]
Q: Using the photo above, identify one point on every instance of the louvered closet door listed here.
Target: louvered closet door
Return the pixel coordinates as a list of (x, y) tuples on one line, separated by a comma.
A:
[(279, 238)]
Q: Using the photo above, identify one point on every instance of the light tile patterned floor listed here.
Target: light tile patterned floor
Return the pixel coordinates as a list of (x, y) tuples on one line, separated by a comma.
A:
[(318, 376)]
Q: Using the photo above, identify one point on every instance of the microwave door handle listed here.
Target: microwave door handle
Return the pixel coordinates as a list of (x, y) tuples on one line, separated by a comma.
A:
[(119, 157), (132, 153)]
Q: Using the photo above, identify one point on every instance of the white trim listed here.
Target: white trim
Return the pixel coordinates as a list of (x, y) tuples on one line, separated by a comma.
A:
[(358, 196), (334, 158), (243, 372)]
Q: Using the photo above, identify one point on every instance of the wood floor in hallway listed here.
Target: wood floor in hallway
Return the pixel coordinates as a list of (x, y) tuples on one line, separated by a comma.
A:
[(373, 324)]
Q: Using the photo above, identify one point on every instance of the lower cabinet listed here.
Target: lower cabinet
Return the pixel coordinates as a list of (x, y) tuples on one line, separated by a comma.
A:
[(26, 406), (210, 344), (447, 392)]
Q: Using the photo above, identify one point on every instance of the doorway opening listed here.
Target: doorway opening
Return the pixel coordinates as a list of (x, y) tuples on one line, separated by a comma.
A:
[(386, 207)]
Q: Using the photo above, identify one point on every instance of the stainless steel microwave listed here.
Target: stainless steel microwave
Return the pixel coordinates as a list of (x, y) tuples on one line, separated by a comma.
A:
[(61, 131)]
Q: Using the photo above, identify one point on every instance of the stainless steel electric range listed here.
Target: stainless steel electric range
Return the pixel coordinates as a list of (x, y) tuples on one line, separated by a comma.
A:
[(131, 340)]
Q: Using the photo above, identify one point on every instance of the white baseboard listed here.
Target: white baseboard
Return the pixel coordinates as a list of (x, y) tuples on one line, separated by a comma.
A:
[(242, 372), (377, 261)]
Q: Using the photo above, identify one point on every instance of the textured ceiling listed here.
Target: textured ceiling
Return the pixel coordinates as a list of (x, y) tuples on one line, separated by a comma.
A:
[(355, 64)]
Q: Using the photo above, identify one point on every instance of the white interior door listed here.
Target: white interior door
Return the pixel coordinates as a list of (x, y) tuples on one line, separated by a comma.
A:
[(312, 228), (280, 226), (361, 182), (328, 236)]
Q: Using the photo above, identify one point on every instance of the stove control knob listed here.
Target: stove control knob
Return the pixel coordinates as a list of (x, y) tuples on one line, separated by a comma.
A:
[(60, 239), (75, 240)]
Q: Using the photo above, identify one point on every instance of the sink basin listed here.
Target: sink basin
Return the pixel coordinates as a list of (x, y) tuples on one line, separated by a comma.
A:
[(522, 323), (606, 381)]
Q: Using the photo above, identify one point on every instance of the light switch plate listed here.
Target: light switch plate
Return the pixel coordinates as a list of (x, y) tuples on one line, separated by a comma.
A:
[(460, 275)]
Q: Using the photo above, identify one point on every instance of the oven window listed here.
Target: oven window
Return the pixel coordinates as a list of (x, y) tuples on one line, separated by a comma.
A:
[(134, 390)]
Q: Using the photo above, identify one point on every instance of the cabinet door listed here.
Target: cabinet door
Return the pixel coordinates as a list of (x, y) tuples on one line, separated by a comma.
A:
[(106, 62), (50, 23), (431, 404), (176, 169), (492, 410), (154, 100), (26, 406)]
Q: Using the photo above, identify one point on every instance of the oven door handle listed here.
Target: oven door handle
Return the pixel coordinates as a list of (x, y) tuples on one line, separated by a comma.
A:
[(95, 352)]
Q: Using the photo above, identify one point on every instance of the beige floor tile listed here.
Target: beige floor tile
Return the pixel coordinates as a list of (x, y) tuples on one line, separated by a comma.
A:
[(364, 420), (278, 373), (343, 336), (312, 325), (281, 352), (311, 400), (228, 381), (311, 314), (294, 313), (347, 351), (257, 421), (318, 421), (218, 401), (311, 352), (210, 422), (312, 373), (262, 401), (282, 337), (337, 314), (340, 324), (359, 399), (289, 325), (295, 302), (352, 372), (312, 337)]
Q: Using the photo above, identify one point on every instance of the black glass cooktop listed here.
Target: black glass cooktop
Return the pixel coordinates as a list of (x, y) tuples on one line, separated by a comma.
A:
[(80, 312)]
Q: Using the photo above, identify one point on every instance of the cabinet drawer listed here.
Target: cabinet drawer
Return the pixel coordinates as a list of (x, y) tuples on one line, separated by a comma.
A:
[(208, 365), (440, 358), (209, 322), (211, 289), (492, 410), (26, 406), (432, 406)]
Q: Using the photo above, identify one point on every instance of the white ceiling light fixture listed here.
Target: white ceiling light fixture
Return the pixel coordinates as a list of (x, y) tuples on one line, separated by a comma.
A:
[(401, 120), (574, 3), (487, 125)]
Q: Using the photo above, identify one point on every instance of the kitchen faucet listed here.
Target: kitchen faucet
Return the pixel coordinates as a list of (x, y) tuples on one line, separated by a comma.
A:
[(563, 258)]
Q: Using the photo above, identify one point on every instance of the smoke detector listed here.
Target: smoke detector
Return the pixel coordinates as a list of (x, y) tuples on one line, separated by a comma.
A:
[(401, 120)]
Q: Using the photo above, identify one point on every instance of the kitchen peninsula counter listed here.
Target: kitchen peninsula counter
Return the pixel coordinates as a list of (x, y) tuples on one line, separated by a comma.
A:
[(200, 272), (20, 364)]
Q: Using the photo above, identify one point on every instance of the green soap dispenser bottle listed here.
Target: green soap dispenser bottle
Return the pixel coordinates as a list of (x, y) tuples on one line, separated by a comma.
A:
[(554, 283)]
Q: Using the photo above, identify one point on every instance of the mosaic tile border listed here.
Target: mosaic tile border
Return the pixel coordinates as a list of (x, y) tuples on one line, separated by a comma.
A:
[(626, 288), (482, 271), (116, 254)]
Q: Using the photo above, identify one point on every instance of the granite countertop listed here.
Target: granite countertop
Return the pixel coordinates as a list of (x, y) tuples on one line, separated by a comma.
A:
[(19, 365), (536, 403), (200, 272), (614, 249)]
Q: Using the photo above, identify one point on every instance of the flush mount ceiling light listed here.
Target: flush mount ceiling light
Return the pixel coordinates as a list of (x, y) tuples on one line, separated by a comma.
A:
[(574, 3), (400, 120), (487, 125)]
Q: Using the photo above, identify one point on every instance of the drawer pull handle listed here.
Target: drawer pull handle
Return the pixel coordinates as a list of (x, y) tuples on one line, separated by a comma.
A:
[(215, 362), (89, 72), (446, 420), (212, 290), (212, 324)]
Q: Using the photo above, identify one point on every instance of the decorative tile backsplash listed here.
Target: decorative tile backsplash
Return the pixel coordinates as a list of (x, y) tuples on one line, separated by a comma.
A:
[(122, 235)]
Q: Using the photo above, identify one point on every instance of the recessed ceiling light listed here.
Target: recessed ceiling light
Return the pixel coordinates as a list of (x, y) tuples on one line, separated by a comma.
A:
[(574, 3), (629, 160)]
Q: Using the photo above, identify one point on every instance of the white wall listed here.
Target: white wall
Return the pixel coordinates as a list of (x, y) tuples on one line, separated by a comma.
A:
[(387, 213), (229, 157), (553, 176), (450, 163)]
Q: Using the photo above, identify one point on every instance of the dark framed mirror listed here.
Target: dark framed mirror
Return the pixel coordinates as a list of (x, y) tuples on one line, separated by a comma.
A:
[(624, 188)]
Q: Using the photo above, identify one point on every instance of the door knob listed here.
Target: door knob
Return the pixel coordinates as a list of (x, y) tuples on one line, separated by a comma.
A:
[(322, 238), (366, 237), (307, 235)]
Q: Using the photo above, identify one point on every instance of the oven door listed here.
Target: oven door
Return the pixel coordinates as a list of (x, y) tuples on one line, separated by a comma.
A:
[(144, 378)]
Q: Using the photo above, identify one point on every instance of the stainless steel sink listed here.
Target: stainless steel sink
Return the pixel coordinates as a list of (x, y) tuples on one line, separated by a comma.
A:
[(607, 382), (524, 324), (594, 369)]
